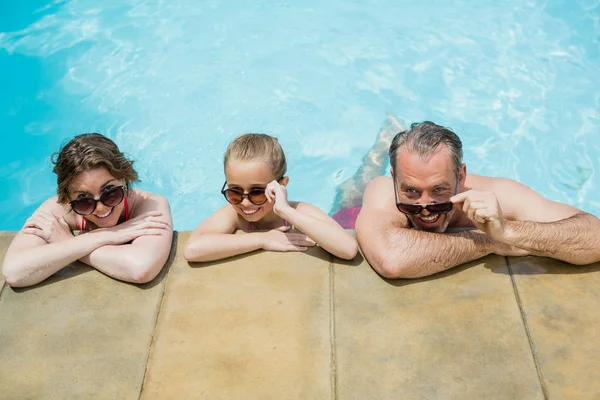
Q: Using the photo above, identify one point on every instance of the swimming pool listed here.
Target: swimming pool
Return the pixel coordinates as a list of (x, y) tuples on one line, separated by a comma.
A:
[(173, 83)]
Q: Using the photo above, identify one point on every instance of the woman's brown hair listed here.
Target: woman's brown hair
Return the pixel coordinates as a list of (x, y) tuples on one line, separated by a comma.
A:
[(86, 152), (258, 146)]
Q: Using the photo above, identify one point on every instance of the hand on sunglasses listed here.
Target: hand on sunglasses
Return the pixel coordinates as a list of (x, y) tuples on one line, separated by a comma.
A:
[(51, 227), (277, 195), (483, 209), (151, 223), (279, 239)]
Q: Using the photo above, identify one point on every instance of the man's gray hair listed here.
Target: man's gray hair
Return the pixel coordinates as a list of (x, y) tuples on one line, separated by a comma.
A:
[(423, 139)]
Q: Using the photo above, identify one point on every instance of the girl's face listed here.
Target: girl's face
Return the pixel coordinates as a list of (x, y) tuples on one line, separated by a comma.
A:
[(246, 176), (93, 184)]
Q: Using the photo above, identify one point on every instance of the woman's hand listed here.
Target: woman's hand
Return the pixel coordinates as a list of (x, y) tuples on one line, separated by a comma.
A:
[(150, 223), (279, 239), (51, 227), (277, 195)]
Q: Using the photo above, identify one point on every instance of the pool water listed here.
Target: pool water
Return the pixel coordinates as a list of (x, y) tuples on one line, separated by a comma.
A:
[(173, 82)]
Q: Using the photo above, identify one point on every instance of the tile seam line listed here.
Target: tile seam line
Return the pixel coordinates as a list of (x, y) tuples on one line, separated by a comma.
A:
[(527, 329), (157, 312), (332, 359)]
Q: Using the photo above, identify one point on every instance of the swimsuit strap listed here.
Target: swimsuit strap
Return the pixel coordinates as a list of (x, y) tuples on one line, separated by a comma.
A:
[(126, 209)]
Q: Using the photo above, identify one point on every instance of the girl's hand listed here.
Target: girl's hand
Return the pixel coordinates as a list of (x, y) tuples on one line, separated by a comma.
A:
[(277, 195), (279, 240), (51, 227), (150, 223)]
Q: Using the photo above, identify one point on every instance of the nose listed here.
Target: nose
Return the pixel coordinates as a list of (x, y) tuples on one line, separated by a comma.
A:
[(101, 209), (245, 201), (425, 199)]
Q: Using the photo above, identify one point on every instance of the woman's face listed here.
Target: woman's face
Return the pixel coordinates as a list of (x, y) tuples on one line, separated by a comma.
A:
[(246, 176), (92, 184)]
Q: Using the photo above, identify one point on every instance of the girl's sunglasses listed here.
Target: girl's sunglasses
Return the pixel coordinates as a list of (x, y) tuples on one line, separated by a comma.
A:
[(110, 198), (236, 196)]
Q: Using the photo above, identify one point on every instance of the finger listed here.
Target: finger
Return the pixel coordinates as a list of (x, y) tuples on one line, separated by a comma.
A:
[(296, 248), (481, 215), (35, 232), (283, 228), (473, 207), (303, 243), (154, 225), (31, 231)]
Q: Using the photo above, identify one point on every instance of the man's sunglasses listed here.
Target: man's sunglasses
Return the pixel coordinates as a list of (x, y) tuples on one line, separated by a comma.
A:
[(110, 198), (434, 208), (443, 207)]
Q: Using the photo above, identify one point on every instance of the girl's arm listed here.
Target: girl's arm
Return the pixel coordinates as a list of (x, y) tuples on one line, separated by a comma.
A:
[(313, 222), (150, 232), (214, 239), (45, 245), (321, 228)]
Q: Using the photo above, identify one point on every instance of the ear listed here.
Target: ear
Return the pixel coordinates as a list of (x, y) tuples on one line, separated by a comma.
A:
[(462, 175), (284, 181)]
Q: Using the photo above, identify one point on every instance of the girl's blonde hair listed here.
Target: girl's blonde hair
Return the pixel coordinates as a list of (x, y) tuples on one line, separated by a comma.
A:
[(258, 146)]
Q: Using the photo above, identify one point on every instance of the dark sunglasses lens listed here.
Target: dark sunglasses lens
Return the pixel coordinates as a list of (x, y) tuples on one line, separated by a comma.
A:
[(440, 208), (113, 197), (257, 197), (233, 196), (409, 208), (83, 206)]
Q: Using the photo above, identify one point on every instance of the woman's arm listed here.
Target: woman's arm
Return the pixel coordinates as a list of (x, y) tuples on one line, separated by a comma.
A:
[(45, 245), (214, 240), (151, 234)]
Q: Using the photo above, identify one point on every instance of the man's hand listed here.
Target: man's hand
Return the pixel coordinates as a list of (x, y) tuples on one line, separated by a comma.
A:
[(483, 209)]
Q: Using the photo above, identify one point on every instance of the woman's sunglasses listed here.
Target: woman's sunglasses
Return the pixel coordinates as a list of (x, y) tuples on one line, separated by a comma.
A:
[(110, 198)]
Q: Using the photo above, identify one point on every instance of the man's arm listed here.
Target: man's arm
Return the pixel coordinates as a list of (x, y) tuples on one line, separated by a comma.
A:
[(533, 223), (396, 251), (575, 240)]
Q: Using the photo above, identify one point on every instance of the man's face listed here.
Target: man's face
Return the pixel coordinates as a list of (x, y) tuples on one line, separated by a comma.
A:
[(426, 181)]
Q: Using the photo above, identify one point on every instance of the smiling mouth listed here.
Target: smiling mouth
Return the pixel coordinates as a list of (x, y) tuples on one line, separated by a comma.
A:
[(429, 219), (105, 215), (250, 212)]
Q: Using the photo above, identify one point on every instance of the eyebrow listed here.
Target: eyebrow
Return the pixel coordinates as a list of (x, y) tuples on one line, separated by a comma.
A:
[(101, 187)]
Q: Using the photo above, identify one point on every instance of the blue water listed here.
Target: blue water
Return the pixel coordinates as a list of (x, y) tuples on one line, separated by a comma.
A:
[(173, 82)]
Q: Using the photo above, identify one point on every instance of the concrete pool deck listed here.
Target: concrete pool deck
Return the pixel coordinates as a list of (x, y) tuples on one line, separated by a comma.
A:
[(306, 326)]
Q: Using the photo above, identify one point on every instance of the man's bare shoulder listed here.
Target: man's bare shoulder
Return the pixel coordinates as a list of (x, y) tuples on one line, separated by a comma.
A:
[(519, 201), (379, 193)]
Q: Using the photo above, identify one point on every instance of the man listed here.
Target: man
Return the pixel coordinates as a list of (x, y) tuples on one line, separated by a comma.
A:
[(431, 215)]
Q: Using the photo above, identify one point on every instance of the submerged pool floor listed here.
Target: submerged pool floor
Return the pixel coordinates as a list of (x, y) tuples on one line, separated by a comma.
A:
[(307, 326)]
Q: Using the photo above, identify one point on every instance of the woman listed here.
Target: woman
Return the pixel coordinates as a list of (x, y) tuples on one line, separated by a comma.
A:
[(127, 233)]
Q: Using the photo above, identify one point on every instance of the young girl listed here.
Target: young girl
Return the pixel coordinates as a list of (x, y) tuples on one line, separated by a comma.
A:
[(255, 188), (128, 232)]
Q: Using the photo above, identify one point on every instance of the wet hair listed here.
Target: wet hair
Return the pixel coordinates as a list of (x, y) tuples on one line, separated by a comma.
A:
[(258, 146), (423, 139), (86, 152)]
